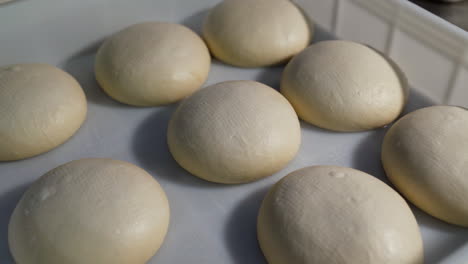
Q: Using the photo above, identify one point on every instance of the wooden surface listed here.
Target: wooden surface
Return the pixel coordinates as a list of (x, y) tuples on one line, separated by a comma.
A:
[(456, 13)]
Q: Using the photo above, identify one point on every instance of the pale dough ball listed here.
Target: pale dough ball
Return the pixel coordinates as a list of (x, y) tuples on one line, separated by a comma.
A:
[(90, 211), (41, 107), (344, 86), (152, 64), (425, 155), (329, 214), (234, 132), (254, 33)]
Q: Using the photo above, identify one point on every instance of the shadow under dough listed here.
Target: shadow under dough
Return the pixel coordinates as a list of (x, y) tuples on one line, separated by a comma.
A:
[(8, 202), (416, 101), (366, 156), (88, 50), (82, 68), (195, 21), (455, 236), (241, 230), (271, 76), (152, 152), (321, 34)]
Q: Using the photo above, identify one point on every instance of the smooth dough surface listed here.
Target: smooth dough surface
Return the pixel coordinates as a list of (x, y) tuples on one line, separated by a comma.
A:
[(336, 215), (344, 86), (41, 107), (234, 132), (425, 155), (255, 33), (90, 211), (152, 64)]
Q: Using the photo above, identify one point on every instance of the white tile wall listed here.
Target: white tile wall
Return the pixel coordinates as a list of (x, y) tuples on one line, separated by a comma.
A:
[(359, 24), (426, 68), (460, 91)]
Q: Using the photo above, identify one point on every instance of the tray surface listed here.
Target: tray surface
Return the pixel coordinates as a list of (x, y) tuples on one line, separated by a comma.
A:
[(210, 223)]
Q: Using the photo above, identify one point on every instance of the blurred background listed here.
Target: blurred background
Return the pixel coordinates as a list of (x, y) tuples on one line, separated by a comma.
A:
[(454, 11)]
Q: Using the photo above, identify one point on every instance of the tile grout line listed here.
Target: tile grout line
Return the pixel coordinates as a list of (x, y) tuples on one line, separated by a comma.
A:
[(458, 64), (391, 35), (336, 16)]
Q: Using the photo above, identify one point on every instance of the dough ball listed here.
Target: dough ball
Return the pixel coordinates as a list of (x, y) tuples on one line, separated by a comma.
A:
[(425, 155), (344, 86), (328, 214), (90, 211), (41, 107), (234, 132), (152, 64), (255, 33)]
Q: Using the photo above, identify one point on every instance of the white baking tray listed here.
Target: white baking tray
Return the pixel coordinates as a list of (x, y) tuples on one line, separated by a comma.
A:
[(214, 223)]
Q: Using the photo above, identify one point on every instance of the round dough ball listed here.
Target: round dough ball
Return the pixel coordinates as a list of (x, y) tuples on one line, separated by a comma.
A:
[(425, 155), (344, 86), (41, 107), (234, 132), (90, 211), (328, 214), (152, 64), (255, 33)]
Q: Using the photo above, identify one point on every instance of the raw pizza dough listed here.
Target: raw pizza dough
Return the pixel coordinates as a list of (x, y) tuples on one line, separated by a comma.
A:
[(90, 211), (344, 86), (329, 214), (152, 64), (234, 132), (425, 155), (254, 33), (41, 107)]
